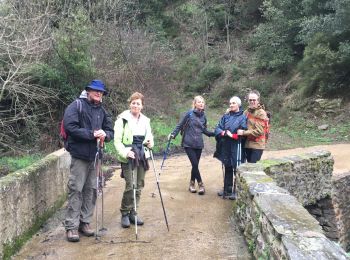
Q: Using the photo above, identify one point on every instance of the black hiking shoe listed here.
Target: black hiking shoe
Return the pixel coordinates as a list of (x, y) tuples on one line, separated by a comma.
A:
[(132, 220), (221, 193), (232, 196), (125, 221)]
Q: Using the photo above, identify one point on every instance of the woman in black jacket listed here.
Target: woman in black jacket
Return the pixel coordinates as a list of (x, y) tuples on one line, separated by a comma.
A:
[(192, 126), (229, 144)]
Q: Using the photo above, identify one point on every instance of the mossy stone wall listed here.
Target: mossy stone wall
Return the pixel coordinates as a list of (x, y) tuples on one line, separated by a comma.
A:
[(28, 197), (341, 204), (274, 222)]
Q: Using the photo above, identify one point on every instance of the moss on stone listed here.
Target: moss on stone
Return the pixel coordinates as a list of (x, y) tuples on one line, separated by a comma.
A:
[(28, 171), (11, 248)]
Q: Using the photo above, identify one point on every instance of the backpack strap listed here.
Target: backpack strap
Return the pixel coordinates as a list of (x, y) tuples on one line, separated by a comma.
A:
[(79, 105), (124, 123), (184, 127)]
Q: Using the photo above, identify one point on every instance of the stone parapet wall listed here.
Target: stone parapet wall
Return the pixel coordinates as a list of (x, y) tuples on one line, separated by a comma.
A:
[(275, 223), (341, 204), (307, 177), (29, 196)]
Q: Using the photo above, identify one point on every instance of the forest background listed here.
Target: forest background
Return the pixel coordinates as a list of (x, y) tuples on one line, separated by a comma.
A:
[(295, 52)]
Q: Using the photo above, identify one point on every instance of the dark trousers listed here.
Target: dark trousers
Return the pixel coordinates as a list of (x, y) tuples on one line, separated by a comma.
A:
[(194, 155), (228, 180), (253, 155)]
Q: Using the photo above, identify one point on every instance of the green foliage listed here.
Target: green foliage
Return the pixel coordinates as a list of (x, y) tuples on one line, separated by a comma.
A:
[(220, 96), (324, 69), (163, 27), (70, 67), (298, 129), (263, 85), (327, 56), (161, 128), (246, 13), (207, 75), (237, 72), (274, 41), (188, 66), (110, 149), (11, 164), (187, 11), (219, 13), (211, 72)]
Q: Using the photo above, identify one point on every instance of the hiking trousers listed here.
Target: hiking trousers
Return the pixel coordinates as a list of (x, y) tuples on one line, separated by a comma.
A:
[(194, 155), (81, 193), (253, 155), (127, 204)]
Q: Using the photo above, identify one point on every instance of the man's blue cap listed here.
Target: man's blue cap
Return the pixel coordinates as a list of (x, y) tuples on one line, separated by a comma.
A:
[(98, 85)]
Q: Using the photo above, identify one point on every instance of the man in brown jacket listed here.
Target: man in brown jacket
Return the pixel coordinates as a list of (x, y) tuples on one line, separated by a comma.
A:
[(256, 123)]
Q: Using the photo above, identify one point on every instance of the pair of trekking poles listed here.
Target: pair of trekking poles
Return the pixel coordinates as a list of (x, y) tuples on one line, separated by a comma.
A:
[(100, 182), (134, 187)]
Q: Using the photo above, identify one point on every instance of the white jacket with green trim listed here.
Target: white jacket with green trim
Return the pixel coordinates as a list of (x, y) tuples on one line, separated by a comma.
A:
[(124, 132)]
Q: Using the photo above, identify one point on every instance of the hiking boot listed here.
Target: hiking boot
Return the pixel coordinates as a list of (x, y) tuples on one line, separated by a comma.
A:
[(201, 189), (72, 235), (125, 220), (192, 187), (221, 193), (132, 219), (232, 196), (86, 230)]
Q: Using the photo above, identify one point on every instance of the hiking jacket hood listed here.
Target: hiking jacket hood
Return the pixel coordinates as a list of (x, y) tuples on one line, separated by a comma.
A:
[(80, 128)]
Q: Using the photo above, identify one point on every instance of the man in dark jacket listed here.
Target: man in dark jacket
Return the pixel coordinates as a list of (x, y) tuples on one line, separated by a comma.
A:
[(84, 124)]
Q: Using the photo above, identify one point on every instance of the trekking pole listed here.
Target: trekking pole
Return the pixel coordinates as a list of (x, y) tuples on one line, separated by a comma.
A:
[(238, 162), (160, 194), (96, 166), (223, 178), (99, 184), (165, 153), (102, 183), (134, 181)]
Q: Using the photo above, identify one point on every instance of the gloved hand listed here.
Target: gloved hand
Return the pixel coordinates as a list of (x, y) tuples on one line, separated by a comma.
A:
[(171, 136)]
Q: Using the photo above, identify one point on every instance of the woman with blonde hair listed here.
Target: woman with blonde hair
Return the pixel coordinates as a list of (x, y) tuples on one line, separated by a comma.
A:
[(132, 140), (192, 126)]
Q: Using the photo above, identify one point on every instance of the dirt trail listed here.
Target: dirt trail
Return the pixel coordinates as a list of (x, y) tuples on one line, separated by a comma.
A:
[(200, 226)]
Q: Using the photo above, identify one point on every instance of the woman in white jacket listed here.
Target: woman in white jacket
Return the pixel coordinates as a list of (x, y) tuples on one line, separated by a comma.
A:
[(132, 140)]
